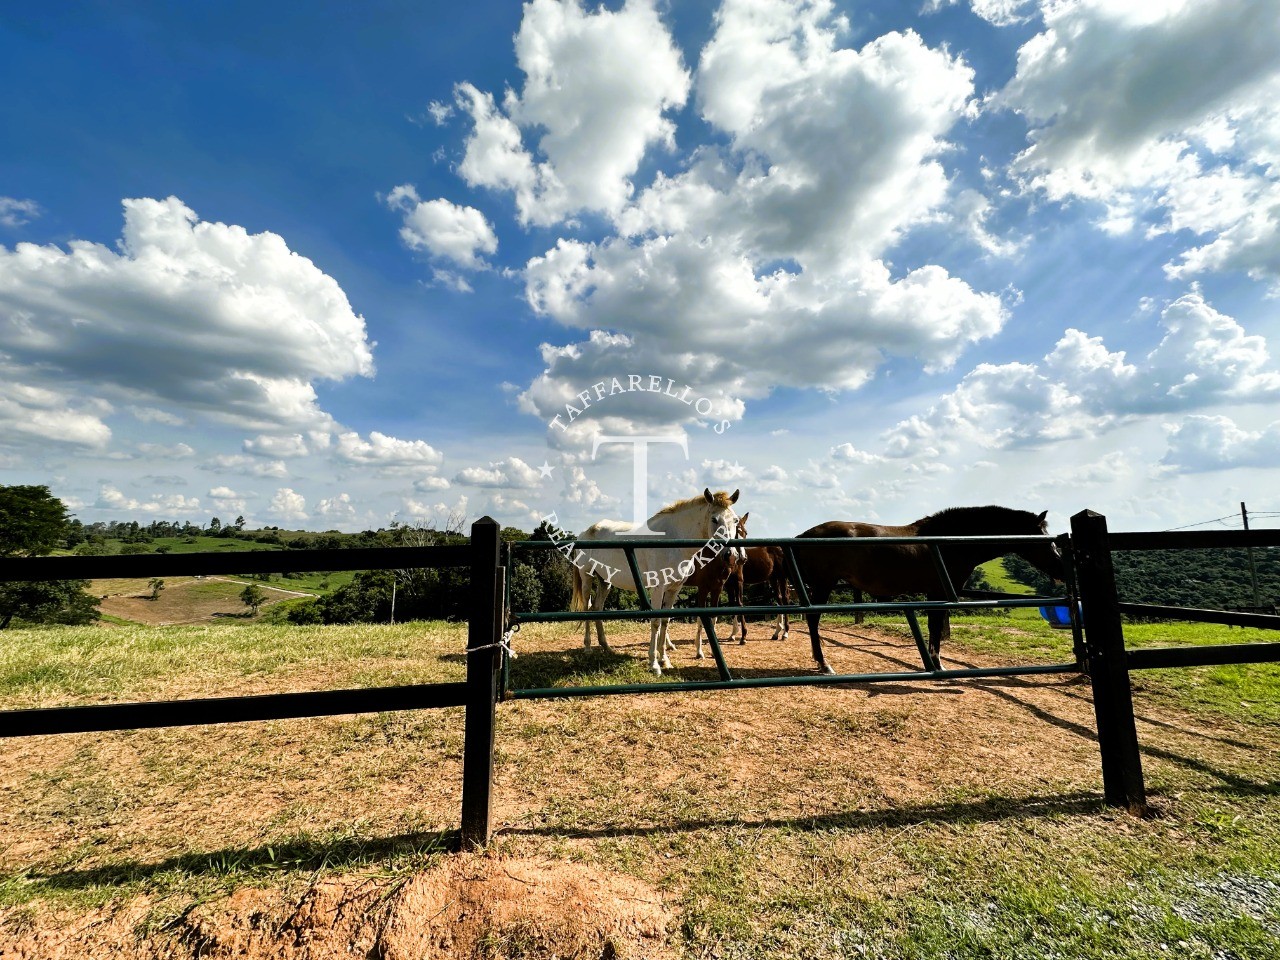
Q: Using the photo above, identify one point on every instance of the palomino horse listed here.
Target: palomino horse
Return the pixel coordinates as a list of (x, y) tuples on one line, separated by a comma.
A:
[(762, 565), (664, 569), (894, 569)]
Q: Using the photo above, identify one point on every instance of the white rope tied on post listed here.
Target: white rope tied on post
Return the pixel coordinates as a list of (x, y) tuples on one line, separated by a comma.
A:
[(503, 644)]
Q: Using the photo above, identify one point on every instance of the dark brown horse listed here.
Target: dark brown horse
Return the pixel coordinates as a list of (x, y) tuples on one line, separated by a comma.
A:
[(894, 569), (710, 578)]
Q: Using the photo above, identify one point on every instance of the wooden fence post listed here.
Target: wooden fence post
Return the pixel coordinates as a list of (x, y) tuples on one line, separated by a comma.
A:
[(1108, 670), (483, 668)]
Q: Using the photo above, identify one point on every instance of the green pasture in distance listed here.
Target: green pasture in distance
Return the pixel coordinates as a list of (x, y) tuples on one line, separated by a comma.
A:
[(207, 545)]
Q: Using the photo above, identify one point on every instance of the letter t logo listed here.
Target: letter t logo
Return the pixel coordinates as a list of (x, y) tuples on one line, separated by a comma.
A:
[(640, 476)]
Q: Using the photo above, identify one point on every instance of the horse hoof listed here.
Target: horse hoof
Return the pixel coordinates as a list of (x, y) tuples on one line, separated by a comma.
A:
[(699, 656), (657, 670), (742, 642), (826, 669)]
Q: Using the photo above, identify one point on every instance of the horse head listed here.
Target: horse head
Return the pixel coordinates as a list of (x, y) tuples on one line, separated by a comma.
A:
[(723, 522), (1045, 557)]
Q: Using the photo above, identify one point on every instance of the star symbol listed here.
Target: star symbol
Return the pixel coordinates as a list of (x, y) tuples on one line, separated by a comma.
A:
[(546, 469)]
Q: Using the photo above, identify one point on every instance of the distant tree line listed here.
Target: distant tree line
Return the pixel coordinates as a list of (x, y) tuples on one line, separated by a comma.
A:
[(537, 580), (33, 522)]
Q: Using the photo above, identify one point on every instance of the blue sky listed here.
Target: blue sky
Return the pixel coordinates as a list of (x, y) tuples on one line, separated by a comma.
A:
[(334, 266)]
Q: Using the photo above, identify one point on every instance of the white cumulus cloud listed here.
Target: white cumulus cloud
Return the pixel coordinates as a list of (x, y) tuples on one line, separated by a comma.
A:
[(443, 229), (381, 450), (1166, 111), (182, 315), (596, 91)]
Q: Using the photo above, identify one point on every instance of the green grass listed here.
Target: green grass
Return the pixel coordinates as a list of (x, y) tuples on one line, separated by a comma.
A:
[(983, 890), (209, 545), (78, 663), (1247, 693)]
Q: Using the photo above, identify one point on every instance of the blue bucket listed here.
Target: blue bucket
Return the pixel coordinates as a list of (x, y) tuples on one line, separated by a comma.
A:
[(1058, 617)]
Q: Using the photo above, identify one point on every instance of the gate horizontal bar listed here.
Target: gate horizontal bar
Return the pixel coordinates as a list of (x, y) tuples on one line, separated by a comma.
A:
[(1202, 655), (798, 542), (538, 693), (569, 616), (272, 706)]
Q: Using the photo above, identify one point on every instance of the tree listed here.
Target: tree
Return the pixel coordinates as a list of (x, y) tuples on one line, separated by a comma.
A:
[(47, 601), (214, 526), (32, 522), (156, 585), (253, 597)]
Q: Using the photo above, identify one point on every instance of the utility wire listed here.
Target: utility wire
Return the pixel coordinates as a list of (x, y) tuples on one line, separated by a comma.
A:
[(1205, 522)]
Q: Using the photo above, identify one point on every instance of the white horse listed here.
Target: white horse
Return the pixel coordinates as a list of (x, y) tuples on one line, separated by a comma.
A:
[(709, 518)]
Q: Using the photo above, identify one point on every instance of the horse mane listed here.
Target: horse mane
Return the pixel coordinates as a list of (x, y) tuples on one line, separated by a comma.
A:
[(996, 518), (720, 498)]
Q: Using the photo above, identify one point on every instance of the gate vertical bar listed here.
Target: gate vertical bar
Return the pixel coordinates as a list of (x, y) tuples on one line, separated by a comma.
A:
[(483, 632), (1108, 669)]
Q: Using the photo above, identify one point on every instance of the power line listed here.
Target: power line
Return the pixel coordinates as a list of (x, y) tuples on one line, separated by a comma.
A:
[(1202, 523)]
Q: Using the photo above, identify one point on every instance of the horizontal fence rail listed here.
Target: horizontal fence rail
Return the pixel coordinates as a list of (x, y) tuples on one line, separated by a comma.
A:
[(1194, 540), (96, 718), (559, 616), (809, 680), (797, 542), (1202, 655), (1230, 618)]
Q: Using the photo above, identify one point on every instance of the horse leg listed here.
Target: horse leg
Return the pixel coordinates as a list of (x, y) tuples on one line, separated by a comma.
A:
[(600, 593), (588, 592), (857, 598), (939, 630), (819, 593), (735, 587), (782, 628)]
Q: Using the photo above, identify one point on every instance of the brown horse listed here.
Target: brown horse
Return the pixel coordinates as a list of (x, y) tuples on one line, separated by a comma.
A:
[(894, 569), (711, 577), (762, 565)]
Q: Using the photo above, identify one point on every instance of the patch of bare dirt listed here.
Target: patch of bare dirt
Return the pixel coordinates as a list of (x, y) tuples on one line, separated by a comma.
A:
[(466, 907), (182, 600)]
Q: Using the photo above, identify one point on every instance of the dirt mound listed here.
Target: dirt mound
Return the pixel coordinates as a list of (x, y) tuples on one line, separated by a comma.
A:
[(468, 907)]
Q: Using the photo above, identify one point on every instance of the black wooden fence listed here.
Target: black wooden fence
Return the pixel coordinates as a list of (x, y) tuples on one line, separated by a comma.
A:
[(1090, 546), (478, 694), (1108, 662)]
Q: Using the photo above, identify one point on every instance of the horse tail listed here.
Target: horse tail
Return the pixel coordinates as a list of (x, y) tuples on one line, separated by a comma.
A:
[(578, 599)]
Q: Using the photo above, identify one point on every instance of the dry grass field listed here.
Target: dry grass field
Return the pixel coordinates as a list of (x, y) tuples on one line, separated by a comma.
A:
[(903, 820)]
